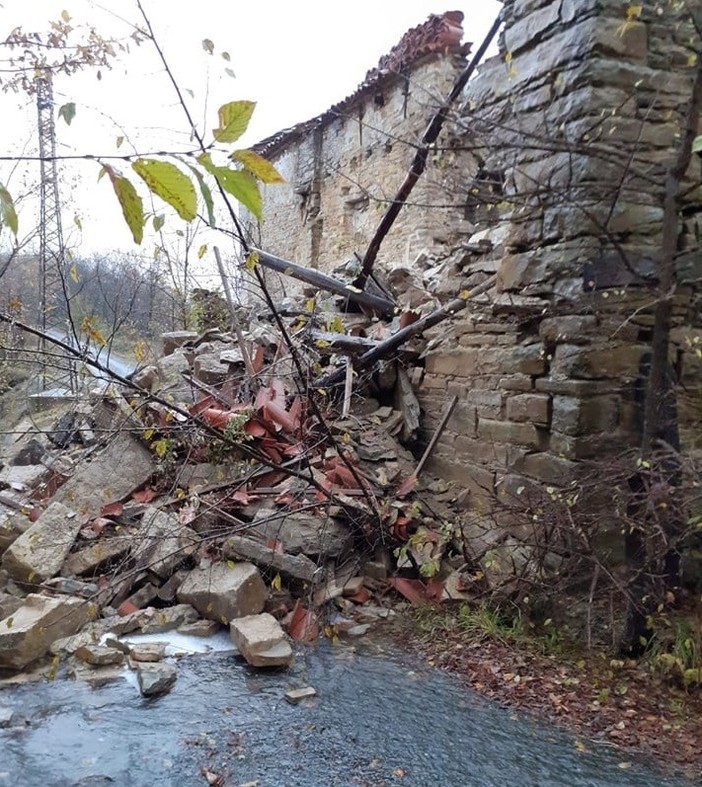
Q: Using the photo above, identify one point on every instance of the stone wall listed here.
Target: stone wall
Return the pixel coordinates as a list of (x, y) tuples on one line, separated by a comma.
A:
[(342, 168), (550, 177), (580, 117)]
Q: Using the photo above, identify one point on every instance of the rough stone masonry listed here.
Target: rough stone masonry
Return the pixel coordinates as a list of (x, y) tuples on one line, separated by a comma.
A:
[(550, 176)]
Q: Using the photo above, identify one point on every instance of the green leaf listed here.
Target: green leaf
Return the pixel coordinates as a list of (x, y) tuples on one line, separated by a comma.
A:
[(159, 221), (243, 187), (239, 184), (170, 184), (697, 144), (8, 214), (234, 119), (67, 112), (205, 191), (119, 141), (130, 201), (258, 166)]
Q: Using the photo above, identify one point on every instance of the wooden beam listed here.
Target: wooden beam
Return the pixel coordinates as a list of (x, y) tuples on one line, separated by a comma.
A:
[(323, 281), (391, 344)]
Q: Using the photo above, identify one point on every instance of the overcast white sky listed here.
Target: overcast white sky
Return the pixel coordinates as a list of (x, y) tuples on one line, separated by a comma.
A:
[(294, 58)]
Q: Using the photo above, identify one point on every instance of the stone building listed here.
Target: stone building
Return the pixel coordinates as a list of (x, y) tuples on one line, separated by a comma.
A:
[(549, 176)]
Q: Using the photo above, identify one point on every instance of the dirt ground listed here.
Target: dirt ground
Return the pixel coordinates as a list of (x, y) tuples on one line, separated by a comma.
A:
[(597, 697)]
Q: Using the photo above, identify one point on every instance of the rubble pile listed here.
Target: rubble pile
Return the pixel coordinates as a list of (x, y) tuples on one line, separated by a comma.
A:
[(205, 496)]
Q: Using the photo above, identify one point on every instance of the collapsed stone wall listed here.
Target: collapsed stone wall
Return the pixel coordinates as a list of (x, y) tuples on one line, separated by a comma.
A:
[(550, 177)]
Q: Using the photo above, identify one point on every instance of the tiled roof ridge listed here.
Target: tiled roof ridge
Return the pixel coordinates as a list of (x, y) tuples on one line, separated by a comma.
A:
[(439, 34)]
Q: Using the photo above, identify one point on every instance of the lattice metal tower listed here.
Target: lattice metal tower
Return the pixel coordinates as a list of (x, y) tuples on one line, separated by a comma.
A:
[(51, 250)]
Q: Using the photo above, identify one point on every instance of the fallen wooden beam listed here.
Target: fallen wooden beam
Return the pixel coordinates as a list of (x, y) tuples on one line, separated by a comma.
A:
[(325, 282), (341, 341), (392, 343)]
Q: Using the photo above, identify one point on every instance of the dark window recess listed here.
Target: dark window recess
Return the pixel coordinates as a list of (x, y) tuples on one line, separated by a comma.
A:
[(485, 190), (610, 270), (379, 100)]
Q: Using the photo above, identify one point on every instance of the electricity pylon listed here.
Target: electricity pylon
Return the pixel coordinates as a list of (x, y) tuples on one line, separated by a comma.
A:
[(52, 262)]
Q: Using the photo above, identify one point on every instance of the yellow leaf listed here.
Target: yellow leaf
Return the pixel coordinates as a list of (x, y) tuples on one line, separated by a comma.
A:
[(252, 261), (51, 675), (9, 622), (202, 251), (73, 273), (464, 294), (140, 351), (258, 166), (277, 583), (148, 434), (65, 16)]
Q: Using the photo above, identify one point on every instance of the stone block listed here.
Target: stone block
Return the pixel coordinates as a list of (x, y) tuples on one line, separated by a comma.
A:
[(575, 417), (589, 446), (547, 468), (171, 368), (261, 641), (535, 408), (509, 432), (516, 382), (209, 369), (487, 404), (463, 420), (568, 329), (516, 490), (162, 542), (99, 655), (12, 525), (454, 363), (93, 557), (39, 552), (475, 479), (28, 633), (433, 381), (174, 339), (527, 359), (482, 452), (155, 679), (561, 385), (297, 566), (310, 535), (534, 26), (23, 478), (614, 361), (113, 474), (224, 591), (148, 651)]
